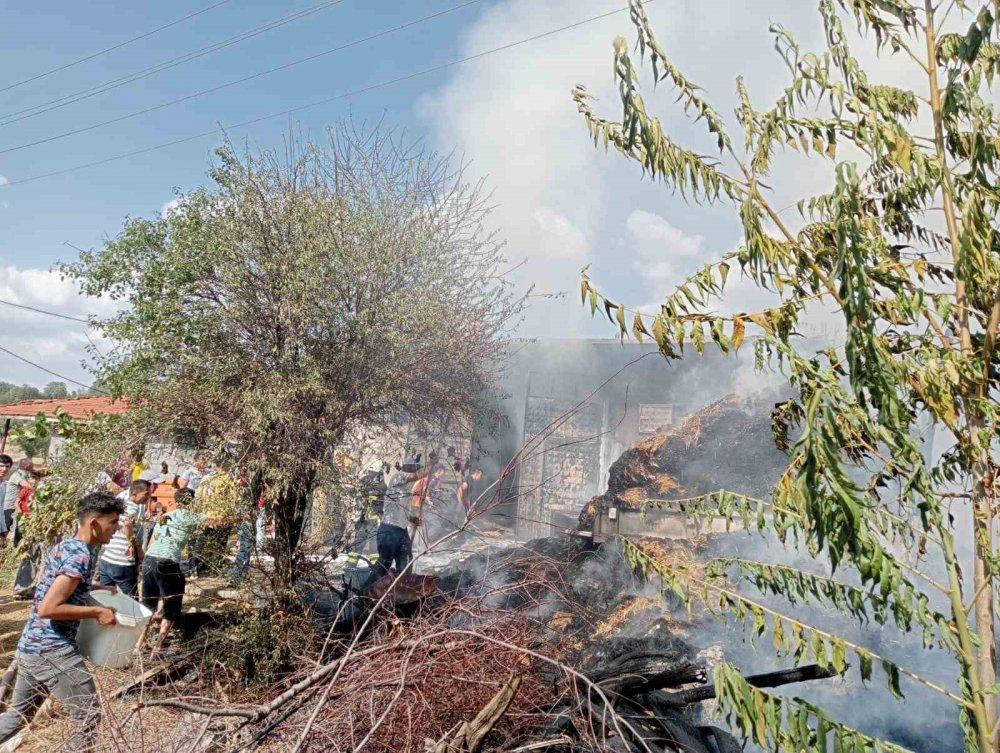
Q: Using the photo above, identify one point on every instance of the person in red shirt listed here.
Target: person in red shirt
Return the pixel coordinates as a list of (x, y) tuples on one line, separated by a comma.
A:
[(26, 494)]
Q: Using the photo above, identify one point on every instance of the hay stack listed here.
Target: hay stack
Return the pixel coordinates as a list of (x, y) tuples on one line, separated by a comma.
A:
[(726, 445)]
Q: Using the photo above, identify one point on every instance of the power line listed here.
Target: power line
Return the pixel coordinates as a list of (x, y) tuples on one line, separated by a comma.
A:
[(118, 46), (345, 95), (68, 99), (203, 92), (50, 371), (43, 311)]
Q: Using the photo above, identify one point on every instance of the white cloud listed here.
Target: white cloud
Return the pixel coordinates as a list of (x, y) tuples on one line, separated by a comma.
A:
[(657, 236), (58, 344), (559, 238), (512, 116), (169, 206), (662, 253), (4, 180)]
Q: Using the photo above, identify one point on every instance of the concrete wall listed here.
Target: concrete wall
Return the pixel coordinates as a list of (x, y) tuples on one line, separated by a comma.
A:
[(178, 458), (639, 388)]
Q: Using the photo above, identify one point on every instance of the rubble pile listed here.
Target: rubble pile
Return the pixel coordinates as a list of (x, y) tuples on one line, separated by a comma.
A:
[(554, 645), (616, 651), (726, 445)]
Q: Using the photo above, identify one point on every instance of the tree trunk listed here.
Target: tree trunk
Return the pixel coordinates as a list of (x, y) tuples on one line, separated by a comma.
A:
[(982, 510), (289, 511)]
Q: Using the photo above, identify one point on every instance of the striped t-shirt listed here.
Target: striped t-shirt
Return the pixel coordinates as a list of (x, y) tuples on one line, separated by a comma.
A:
[(115, 552)]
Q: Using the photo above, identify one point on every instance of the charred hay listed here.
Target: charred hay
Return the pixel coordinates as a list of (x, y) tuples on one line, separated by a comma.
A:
[(601, 618), (726, 445)]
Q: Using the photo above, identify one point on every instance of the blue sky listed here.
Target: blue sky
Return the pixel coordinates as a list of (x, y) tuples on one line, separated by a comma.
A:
[(561, 203), (84, 206)]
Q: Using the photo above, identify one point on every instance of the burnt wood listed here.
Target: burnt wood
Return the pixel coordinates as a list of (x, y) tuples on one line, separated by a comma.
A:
[(635, 673), (766, 680)]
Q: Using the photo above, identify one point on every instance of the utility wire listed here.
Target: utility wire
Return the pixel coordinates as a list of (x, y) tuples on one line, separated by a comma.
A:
[(64, 101), (50, 371), (203, 92), (345, 95), (43, 311), (118, 46)]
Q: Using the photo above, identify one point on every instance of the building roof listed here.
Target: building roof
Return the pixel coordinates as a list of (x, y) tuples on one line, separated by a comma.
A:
[(80, 408)]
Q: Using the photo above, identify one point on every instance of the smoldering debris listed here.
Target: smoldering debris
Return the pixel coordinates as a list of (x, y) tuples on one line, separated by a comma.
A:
[(617, 656)]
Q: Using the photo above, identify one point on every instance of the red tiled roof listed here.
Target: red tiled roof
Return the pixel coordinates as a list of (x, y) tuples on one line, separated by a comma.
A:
[(75, 407)]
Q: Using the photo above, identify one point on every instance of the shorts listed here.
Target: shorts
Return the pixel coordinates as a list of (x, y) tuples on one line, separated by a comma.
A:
[(163, 579), (125, 577)]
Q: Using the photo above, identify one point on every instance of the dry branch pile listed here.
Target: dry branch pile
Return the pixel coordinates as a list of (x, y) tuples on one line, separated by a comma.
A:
[(551, 642), (423, 682), (726, 445)]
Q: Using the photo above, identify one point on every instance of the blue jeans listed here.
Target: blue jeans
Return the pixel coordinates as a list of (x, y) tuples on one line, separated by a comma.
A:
[(125, 577), (241, 563)]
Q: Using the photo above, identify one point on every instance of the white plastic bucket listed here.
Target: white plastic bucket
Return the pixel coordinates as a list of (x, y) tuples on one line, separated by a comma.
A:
[(112, 646)]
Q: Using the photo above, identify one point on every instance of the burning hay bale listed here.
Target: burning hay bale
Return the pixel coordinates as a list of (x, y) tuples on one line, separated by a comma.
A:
[(726, 445)]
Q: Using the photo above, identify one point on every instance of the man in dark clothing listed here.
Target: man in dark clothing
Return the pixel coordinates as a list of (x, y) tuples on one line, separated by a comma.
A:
[(371, 503), (395, 550)]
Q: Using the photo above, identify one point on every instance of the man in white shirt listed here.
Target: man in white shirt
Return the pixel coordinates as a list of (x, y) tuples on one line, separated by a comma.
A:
[(192, 477), (122, 556)]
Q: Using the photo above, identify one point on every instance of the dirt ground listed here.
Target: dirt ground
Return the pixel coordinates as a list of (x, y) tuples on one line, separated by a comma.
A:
[(12, 617)]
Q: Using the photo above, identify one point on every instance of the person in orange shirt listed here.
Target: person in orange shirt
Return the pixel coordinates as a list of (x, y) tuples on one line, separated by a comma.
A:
[(423, 501)]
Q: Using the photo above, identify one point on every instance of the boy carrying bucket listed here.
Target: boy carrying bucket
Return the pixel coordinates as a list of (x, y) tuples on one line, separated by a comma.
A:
[(48, 657)]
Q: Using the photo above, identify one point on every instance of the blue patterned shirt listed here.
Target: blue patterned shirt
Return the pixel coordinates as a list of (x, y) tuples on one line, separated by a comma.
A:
[(69, 557)]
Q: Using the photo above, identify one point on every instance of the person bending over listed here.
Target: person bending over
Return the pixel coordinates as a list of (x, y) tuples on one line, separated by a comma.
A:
[(48, 657)]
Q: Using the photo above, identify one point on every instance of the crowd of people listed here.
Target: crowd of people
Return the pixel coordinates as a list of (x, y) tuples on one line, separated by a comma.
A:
[(136, 532), (142, 533)]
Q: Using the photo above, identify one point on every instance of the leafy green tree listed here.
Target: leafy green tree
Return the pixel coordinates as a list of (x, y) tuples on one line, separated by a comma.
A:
[(904, 246), (15, 393), (55, 390), (298, 299)]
